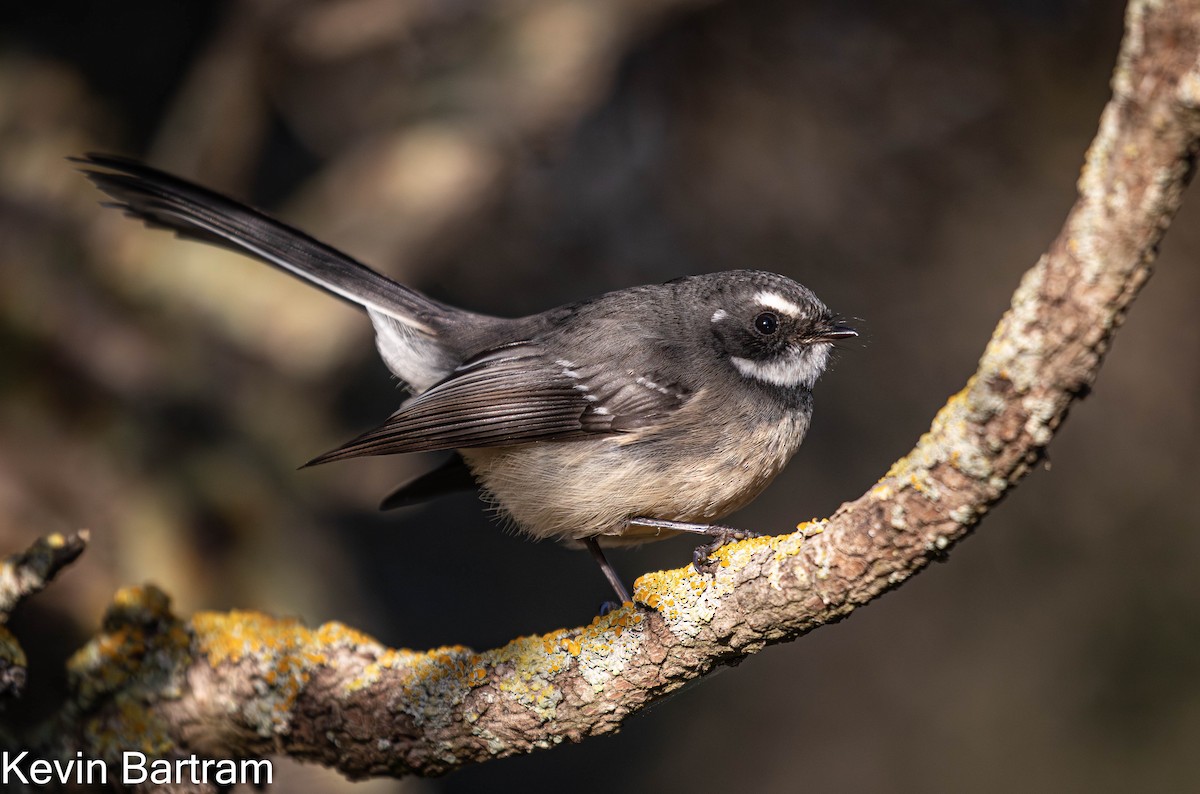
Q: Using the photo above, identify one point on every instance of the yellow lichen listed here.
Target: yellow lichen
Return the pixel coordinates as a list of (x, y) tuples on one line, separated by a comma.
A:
[(687, 600), (139, 658), (286, 651), (131, 725)]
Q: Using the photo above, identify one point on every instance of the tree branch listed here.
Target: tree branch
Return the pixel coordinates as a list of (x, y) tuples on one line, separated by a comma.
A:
[(28, 572), (242, 684), (22, 575)]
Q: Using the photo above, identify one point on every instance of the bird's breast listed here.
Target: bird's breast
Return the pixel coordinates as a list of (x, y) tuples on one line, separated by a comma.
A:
[(570, 490)]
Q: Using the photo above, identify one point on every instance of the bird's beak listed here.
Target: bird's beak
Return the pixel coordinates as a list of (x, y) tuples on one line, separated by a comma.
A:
[(836, 332)]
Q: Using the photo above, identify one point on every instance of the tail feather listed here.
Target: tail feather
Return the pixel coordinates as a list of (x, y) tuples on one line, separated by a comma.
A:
[(165, 201)]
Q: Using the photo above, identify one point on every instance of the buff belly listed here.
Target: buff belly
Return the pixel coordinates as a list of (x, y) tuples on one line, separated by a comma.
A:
[(572, 490)]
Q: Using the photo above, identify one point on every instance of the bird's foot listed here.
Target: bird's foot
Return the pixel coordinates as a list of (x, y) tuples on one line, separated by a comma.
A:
[(701, 556), (702, 559)]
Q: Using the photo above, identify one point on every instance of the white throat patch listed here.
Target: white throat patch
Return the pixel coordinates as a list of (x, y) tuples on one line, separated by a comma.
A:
[(798, 367)]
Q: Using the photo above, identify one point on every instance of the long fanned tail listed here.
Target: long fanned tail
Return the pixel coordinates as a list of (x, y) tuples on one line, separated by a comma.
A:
[(191, 211)]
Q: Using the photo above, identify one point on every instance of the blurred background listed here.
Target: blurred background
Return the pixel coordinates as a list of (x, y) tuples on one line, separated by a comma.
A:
[(906, 161)]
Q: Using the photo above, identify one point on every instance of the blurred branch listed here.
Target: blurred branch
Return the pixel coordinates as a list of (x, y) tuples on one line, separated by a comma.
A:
[(243, 684), (408, 166), (28, 572), (22, 575)]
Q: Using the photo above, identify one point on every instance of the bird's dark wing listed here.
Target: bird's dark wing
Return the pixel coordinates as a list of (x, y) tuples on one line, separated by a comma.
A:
[(515, 394), (191, 211)]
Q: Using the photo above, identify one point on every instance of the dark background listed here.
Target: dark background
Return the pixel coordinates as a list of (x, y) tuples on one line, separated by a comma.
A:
[(908, 161)]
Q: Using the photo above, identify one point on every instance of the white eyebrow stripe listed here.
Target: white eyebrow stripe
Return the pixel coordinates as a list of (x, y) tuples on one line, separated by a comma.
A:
[(718, 315), (773, 300)]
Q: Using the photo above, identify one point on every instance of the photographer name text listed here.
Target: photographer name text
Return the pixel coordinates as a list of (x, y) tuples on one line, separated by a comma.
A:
[(135, 768)]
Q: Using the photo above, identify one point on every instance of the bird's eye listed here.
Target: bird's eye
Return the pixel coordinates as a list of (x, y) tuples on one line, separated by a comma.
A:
[(766, 323)]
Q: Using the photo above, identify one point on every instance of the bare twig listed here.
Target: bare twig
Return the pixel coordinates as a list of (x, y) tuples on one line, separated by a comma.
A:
[(242, 684)]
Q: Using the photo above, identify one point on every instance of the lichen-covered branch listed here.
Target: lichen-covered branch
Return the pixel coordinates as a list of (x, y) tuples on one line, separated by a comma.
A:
[(243, 684), (22, 575), (28, 572)]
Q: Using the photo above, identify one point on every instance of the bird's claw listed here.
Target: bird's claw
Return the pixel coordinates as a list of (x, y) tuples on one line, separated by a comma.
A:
[(702, 556)]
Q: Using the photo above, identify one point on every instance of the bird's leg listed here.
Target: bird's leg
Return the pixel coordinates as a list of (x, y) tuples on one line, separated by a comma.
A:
[(609, 573), (700, 557)]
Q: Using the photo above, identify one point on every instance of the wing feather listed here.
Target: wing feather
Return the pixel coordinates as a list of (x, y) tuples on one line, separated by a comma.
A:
[(509, 396), (516, 394)]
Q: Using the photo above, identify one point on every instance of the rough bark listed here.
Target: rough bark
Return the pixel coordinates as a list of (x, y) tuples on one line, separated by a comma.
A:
[(244, 684)]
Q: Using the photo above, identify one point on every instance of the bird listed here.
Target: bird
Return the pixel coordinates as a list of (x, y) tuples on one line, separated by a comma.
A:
[(627, 417)]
